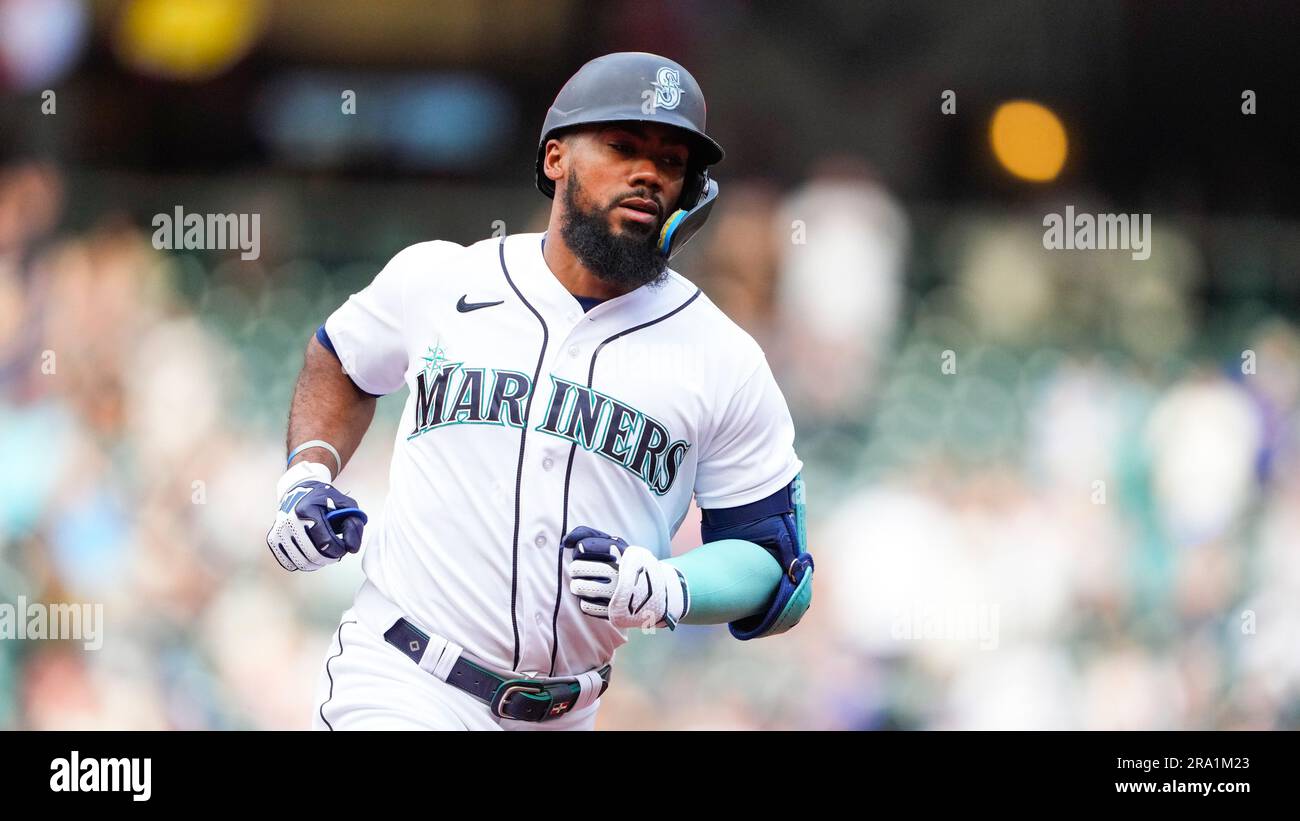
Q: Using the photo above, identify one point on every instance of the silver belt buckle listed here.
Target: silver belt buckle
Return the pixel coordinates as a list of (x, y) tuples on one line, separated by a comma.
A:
[(509, 691)]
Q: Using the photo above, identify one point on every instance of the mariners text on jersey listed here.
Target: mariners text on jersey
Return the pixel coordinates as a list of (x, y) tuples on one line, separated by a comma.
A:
[(598, 423)]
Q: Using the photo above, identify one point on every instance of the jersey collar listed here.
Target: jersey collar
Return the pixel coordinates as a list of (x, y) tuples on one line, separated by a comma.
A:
[(528, 268)]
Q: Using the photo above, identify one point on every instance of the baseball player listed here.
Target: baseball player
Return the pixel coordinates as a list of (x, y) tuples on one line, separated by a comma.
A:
[(569, 393)]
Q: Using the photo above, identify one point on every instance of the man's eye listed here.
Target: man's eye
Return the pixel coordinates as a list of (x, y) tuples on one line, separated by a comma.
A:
[(621, 148), (675, 162)]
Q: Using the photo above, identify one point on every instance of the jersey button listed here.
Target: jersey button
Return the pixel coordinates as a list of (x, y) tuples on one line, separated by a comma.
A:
[(548, 463), (573, 350), (540, 541)]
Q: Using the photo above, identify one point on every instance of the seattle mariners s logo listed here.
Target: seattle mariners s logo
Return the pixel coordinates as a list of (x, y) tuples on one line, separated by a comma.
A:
[(668, 88)]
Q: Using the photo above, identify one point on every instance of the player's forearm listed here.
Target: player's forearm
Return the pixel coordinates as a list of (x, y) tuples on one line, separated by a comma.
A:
[(727, 580), (327, 405)]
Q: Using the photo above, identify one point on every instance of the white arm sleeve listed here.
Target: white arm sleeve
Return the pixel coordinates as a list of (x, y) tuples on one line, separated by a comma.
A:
[(368, 331), (750, 454)]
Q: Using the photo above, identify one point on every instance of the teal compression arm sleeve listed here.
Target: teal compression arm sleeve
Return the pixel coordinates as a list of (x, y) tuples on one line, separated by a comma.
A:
[(727, 580)]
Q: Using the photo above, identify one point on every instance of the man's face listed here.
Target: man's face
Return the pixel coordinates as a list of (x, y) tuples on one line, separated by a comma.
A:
[(634, 171), (622, 182)]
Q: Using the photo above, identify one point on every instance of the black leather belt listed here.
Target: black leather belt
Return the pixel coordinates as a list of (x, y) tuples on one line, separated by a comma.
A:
[(522, 699)]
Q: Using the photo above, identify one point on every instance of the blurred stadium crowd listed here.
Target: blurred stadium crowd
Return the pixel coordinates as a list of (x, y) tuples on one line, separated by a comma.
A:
[(1047, 489), (1087, 519)]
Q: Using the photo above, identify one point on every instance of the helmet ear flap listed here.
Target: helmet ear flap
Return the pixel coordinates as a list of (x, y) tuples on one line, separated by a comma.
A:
[(697, 179), (685, 222)]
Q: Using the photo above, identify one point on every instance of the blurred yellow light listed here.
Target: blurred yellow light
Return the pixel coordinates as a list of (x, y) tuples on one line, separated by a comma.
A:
[(1029, 140), (187, 39)]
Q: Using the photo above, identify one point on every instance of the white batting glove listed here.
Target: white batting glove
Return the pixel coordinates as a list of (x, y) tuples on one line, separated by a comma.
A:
[(624, 583)]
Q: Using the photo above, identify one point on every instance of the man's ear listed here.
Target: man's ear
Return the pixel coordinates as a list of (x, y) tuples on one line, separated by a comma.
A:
[(555, 159)]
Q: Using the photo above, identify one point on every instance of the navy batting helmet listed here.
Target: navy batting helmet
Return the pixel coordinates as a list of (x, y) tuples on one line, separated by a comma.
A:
[(639, 87)]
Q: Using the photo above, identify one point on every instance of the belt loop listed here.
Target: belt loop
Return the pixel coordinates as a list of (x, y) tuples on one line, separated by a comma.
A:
[(434, 648), (450, 655), (589, 685)]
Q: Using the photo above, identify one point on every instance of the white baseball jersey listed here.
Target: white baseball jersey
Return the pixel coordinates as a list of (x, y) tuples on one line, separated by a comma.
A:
[(528, 417)]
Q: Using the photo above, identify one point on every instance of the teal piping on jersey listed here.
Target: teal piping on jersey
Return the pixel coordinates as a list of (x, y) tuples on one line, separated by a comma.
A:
[(727, 580)]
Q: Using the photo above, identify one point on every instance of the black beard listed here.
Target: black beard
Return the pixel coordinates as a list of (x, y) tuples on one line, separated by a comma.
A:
[(625, 260)]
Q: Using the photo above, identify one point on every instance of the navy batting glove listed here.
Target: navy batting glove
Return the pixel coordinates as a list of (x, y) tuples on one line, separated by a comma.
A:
[(593, 545), (316, 525)]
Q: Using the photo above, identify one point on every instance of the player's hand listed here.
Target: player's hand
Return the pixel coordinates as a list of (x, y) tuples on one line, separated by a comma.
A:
[(624, 583), (316, 524)]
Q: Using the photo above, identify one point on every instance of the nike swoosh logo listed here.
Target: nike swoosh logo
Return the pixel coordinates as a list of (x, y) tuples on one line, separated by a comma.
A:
[(465, 307), (649, 592)]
